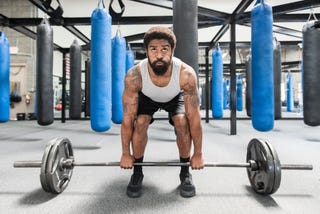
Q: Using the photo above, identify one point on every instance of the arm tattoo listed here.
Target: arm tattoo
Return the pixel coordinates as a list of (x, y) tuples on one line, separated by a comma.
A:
[(134, 78), (130, 106), (191, 93), (130, 96)]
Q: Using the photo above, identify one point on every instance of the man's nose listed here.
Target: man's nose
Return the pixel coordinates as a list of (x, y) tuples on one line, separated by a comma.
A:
[(159, 55)]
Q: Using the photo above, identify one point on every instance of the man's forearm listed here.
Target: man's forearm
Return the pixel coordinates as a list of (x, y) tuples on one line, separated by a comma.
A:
[(126, 136), (196, 135)]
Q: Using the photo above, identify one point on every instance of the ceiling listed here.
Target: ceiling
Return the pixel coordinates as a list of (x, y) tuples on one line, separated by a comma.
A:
[(214, 17)]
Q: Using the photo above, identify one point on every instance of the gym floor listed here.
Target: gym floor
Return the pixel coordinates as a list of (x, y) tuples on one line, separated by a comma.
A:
[(102, 189)]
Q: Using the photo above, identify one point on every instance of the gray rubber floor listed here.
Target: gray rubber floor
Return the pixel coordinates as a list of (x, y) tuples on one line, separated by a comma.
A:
[(102, 189)]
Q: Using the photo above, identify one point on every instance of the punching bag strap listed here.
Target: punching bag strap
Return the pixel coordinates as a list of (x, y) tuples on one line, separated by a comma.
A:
[(313, 15), (103, 4), (116, 16), (56, 13)]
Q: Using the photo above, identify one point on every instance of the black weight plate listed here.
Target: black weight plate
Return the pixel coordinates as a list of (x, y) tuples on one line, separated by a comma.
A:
[(58, 177), (43, 169), (277, 168), (263, 180)]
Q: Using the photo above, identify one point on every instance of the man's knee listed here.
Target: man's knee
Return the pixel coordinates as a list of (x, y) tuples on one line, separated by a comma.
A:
[(181, 124), (142, 122)]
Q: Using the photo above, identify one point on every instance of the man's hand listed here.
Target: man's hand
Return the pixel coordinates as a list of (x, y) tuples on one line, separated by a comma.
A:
[(197, 161), (126, 161)]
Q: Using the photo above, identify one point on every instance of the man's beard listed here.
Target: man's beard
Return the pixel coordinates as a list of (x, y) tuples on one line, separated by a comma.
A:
[(159, 70)]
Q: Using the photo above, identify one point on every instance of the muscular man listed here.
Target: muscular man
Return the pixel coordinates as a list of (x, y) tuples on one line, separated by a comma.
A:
[(161, 82)]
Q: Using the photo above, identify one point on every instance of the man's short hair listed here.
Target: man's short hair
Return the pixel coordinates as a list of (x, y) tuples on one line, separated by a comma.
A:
[(160, 33)]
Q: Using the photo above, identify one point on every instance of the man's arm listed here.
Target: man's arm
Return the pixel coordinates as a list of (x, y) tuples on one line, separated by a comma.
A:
[(130, 107), (192, 106)]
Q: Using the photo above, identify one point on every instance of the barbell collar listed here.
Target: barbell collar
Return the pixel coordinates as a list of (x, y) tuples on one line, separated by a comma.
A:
[(296, 167), (27, 164)]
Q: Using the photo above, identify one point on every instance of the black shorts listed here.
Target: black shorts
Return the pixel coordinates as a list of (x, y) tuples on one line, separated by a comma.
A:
[(149, 107)]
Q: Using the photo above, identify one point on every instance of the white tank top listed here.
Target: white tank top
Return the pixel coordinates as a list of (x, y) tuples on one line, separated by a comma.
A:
[(161, 94)]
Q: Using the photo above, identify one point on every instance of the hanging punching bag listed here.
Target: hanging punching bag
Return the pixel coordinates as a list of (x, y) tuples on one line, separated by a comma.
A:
[(239, 92), (75, 80), (118, 74), (100, 75), (129, 58), (44, 89), (225, 94), (248, 85), (290, 100), (4, 78), (311, 73), (217, 85), (277, 78), (262, 67), (228, 93)]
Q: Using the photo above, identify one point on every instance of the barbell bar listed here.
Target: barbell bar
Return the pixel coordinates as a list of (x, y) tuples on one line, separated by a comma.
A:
[(70, 164), (263, 166)]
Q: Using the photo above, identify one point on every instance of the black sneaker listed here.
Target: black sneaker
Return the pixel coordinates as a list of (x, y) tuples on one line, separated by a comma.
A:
[(135, 185), (187, 189)]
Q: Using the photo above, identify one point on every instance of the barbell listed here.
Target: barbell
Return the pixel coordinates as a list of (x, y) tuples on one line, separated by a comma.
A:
[(263, 166)]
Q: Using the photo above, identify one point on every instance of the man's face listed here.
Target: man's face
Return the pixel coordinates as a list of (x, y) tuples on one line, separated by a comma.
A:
[(159, 54)]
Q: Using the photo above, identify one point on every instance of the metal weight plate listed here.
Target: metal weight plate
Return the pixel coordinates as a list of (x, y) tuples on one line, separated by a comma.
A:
[(277, 168), (56, 176), (266, 179), (43, 169)]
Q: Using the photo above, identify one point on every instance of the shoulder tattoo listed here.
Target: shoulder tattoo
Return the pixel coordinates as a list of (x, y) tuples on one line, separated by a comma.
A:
[(133, 78)]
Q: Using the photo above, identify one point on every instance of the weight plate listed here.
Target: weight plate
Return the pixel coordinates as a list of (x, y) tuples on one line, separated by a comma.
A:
[(266, 179), (57, 177), (43, 169), (277, 168)]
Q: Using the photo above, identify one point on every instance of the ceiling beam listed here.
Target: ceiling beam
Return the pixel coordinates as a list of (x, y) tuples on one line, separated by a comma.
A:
[(70, 28), (243, 5), (202, 11), (24, 30), (280, 10), (126, 20), (293, 17)]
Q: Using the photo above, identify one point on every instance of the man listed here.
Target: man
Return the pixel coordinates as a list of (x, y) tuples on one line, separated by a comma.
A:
[(161, 82)]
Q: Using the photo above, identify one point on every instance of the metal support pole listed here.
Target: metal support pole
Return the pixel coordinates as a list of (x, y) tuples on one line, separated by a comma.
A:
[(233, 116), (64, 82), (207, 86)]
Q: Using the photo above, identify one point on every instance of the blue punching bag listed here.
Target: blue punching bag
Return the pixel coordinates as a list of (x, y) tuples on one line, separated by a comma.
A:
[(100, 76), (129, 58), (290, 99), (217, 85), (228, 93), (262, 102), (118, 74), (4, 78), (225, 93), (239, 93)]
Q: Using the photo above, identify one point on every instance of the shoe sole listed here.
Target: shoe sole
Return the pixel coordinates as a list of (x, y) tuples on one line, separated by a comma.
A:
[(134, 194), (187, 194)]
